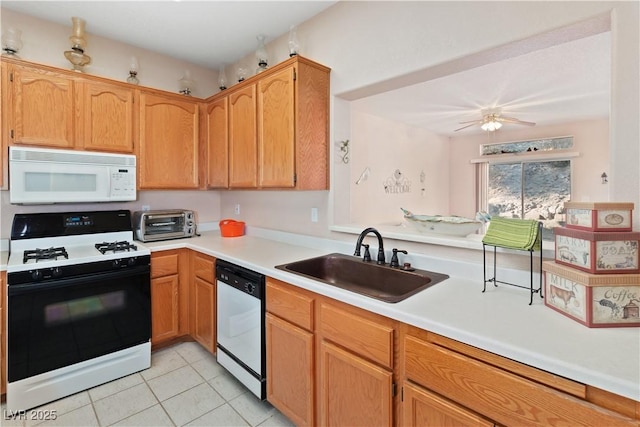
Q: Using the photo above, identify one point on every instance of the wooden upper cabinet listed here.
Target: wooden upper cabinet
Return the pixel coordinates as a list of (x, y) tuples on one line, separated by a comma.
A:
[(243, 155), (42, 108), (168, 144), (276, 129), (64, 110), (107, 117), (4, 134), (217, 121), (312, 125)]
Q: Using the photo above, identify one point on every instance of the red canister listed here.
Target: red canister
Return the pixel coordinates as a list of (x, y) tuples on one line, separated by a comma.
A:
[(231, 228)]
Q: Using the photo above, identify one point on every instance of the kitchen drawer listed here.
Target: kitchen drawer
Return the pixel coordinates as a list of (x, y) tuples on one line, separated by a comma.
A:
[(203, 267), (500, 395), (289, 304), (368, 338), (164, 264)]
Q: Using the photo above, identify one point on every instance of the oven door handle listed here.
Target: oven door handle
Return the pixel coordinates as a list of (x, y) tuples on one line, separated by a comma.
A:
[(85, 281)]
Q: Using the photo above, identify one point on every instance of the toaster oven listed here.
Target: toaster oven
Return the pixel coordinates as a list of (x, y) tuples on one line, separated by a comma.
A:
[(163, 225)]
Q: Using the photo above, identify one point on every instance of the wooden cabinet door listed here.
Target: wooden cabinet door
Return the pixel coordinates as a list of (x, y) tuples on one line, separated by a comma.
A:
[(107, 117), (168, 156), (243, 150), (164, 308), (352, 390), (204, 306), (290, 368), (421, 408), (276, 129), (4, 121), (43, 108), (203, 300), (218, 144)]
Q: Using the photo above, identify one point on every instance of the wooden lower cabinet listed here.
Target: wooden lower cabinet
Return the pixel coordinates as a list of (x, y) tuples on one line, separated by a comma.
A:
[(479, 383), (421, 407), (290, 370), (332, 364), (290, 346), (169, 295), (353, 391), (203, 300), (164, 308), (356, 366)]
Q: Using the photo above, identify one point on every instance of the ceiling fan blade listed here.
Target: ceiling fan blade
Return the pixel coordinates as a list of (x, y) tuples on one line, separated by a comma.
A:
[(471, 121), (515, 121), (467, 126)]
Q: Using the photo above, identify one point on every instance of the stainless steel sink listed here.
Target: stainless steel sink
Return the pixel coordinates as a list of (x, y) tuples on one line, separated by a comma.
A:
[(365, 278)]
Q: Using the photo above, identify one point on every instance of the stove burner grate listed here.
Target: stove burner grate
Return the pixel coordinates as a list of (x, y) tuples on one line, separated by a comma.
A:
[(121, 246), (41, 254)]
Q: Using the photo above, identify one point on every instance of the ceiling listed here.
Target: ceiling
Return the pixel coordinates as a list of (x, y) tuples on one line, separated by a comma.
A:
[(565, 82), (562, 83), (206, 33)]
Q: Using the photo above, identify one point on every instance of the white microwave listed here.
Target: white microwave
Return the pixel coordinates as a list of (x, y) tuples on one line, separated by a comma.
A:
[(43, 175)]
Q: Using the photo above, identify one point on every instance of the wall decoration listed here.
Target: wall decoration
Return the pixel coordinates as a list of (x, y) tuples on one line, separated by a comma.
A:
[(397, 183), (364, 175), (344, 147)]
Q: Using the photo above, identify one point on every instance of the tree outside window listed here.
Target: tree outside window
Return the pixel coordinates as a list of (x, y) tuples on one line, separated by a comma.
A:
[(535, 189)]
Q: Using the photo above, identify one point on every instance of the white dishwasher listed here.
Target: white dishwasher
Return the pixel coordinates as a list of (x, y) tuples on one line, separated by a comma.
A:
[(240, 307)]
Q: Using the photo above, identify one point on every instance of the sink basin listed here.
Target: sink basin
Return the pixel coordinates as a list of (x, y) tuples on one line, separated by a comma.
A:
[(365, 278)]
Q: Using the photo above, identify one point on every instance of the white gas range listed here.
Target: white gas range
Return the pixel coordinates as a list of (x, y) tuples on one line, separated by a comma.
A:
[(79, 304)]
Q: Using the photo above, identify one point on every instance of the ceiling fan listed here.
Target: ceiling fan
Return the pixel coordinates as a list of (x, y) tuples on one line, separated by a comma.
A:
[(492, 120)]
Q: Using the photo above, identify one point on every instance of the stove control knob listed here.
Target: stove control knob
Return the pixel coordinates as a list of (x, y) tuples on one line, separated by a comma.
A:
[(116, 263), (36, 274), (56, 271), (131, 261)]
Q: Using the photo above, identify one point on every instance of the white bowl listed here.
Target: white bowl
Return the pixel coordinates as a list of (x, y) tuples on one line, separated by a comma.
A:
[(438, 224)]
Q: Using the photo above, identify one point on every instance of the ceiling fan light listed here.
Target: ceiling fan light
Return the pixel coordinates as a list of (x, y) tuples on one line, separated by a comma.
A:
[(491, 125)]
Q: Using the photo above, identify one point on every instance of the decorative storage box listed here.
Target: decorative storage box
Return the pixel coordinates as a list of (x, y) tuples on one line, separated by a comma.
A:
[(598, 252), (599, 216), (596, 301)]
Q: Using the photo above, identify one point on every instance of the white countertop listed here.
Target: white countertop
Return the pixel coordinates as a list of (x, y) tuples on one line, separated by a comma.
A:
[(499, 321)]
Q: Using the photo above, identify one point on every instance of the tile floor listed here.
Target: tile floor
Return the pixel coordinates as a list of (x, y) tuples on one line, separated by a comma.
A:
[(184, 386)]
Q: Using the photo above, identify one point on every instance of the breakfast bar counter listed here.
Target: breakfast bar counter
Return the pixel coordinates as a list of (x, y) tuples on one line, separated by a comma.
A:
[(499, 321)]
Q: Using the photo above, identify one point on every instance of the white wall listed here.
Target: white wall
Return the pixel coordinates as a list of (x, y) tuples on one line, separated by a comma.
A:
[(45, 42), (591, 140), (383, 146), (206, 204), (368, 42)]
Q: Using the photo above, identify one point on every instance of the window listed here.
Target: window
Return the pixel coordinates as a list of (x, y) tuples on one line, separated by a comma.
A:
[(531, 185)]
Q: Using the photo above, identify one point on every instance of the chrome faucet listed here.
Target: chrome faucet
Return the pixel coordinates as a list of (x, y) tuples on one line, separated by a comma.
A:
[(366, 231)]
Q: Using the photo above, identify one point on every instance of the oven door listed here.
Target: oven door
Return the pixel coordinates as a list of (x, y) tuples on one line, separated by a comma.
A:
[(58, 323)]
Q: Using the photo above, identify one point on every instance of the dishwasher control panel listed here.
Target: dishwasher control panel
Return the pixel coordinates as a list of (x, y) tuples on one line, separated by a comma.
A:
[(245, 280)]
